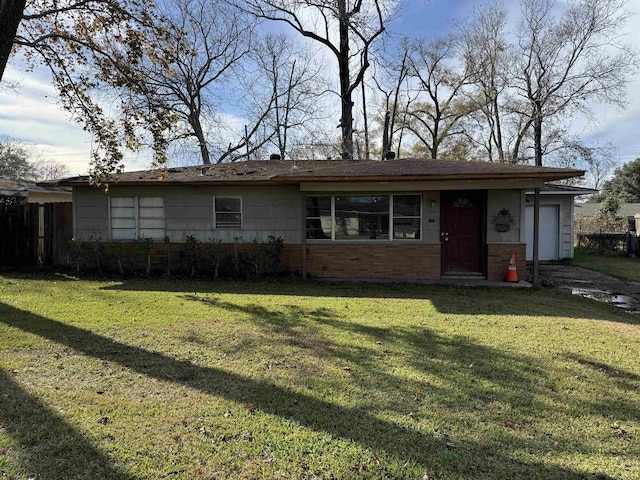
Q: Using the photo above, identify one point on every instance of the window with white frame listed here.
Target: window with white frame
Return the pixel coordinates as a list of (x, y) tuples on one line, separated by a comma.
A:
[(136, 217), (364, 217), (227, 212)]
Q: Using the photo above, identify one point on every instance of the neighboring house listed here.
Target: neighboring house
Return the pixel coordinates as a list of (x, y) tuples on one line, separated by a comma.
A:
[(626, 210), (399, 219), (56, 217), (28, 192), (556, 237)]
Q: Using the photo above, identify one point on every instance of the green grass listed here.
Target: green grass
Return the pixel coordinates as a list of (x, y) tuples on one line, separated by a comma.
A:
[(159, 379), (625, 268)]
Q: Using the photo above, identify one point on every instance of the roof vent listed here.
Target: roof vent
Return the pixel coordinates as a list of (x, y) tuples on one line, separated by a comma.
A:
[(275, 156), (390, 155), (203, 170)]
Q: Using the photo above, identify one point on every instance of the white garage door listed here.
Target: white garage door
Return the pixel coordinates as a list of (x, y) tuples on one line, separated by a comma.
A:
[(548, 246)]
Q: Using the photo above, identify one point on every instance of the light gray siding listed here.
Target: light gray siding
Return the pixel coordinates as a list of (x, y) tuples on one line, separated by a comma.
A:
[(188, 212), (91, 218), (564, 203), (278, 211), (566, 227), (510, 200), (431, 216), (266, 211)]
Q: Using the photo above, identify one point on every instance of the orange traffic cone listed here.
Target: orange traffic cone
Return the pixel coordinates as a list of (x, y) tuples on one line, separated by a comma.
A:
[(512, 271)]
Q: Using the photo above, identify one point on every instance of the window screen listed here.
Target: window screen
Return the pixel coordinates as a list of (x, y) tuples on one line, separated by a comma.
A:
[(228, 212), (319, 221), (406, 216), (136, 217)]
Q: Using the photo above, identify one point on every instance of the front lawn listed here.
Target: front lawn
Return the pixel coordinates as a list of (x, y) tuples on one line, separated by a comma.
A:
[(624, 268), (178, 380)]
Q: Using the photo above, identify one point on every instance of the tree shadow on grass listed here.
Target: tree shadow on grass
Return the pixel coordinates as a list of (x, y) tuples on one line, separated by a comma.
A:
[(421, 347), (624, 385), (469, 460), (447, 299), (467, 375), (47, 445)]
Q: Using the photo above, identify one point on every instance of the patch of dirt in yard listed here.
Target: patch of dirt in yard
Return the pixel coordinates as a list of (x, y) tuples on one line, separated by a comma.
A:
[(591, 284)]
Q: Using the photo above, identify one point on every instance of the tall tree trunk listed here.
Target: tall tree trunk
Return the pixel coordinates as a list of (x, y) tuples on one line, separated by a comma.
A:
[(194, 120), (287, 111), (394, 110), (10, 15), (537, 139), (537, 133), (498, 130), (436, 131), (366, 124), (346, 117), (385, 136)]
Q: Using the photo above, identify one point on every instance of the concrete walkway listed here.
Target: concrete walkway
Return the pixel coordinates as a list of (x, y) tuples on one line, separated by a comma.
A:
[(592, 284)]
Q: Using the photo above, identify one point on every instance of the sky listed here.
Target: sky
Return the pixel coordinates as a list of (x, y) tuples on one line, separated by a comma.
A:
[(30, 113)]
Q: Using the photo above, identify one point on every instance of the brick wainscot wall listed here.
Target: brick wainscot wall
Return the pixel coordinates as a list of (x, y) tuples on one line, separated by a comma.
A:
[(498, 256), (371, 260)]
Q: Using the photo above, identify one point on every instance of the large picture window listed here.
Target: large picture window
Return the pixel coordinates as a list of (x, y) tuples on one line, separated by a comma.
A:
[(136, 217), (227, 212), (364, 217)]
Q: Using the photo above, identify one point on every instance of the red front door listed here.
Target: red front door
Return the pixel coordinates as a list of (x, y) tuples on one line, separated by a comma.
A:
[(461, 231)]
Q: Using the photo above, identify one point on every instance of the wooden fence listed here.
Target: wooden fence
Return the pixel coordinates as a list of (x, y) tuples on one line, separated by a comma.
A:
[(18, 234), (32, 234), (56, 233), (604, 242)]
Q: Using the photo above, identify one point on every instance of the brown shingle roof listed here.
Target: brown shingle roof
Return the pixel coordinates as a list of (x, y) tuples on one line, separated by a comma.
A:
[(294, 172), (10, 187), (590, 209), (551, 188)]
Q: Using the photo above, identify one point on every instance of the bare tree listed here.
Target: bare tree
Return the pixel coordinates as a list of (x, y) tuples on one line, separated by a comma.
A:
[(347, 28), (14, 160), (292, 77), (365, 120), (566, 62), (48, 169), (597, 160), (23, 161), (391, 81), (188, 65), (437, 75), (487, 54)]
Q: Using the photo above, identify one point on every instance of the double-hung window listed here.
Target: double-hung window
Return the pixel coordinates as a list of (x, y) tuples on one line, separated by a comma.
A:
[(364, 217), (136, 217), (227, 212), (407, 212), (319, 217)]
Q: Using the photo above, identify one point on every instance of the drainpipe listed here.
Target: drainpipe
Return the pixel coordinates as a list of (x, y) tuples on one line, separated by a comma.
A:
[(304, 237), (536, 234)]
